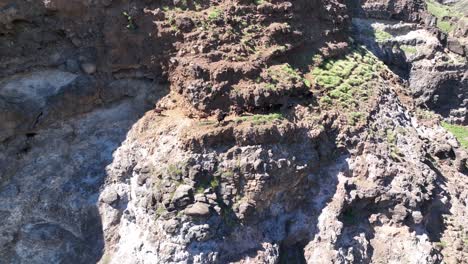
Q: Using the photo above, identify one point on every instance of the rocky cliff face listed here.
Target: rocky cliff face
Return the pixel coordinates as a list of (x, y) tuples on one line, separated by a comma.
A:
[(230, 132), (431, 59)]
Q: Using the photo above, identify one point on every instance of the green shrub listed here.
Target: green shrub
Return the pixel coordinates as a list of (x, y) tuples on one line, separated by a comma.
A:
[(445, 26), (355, 81), (441, 244)]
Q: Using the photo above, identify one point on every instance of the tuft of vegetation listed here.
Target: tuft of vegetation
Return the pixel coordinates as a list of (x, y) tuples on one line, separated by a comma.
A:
[(200, 189), (377, 34), (175, 170), (214, 183), (284, 72), (345, 79), (391, 137), (381, 36), (130, 22), (228, 174), (262, 119), (204, 184), (460, 132), (214, 14), (160, 211), (441, 244), (355, 117), (326, 100), (425, 114), (410, 50), (206, 123)]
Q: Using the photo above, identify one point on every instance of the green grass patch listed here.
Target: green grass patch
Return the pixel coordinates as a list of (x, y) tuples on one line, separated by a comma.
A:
[(460, 132), (228, 174), (206, 123), (214, 14), (200, 189), (442, 11), (378, 35), (175, 170), (381, 35), (261, 119), (441, 244), (214, 183), (445, 26), (284, 73), (409, 49), (355, 117), (345, 80), (160, 211), (438, 10), (326, 100)]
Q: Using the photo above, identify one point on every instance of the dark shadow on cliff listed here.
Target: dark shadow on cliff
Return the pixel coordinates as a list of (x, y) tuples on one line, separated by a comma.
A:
[(375, 40), (52, 176), (355, 219)]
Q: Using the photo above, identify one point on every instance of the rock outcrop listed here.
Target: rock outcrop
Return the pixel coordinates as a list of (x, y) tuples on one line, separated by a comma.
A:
[(434, 64), (230, 132)]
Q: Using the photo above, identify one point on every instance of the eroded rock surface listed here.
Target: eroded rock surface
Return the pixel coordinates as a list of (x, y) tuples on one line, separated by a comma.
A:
[(230, 132)]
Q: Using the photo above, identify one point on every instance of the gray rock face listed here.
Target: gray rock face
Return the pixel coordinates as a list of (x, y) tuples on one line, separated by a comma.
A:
[(384, 195), (198, 209), (24, 98), (89, 174), (183, 195), (404, 10), (50, 179)]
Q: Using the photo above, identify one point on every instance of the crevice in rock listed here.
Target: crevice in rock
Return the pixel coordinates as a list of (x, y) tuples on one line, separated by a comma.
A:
[(292, 254), (435, 209)]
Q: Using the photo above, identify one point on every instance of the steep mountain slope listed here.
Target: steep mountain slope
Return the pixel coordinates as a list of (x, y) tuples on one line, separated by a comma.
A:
[(231, 131)]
